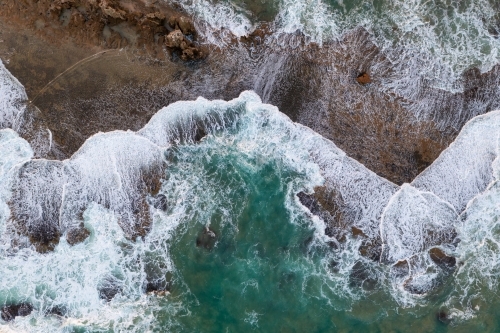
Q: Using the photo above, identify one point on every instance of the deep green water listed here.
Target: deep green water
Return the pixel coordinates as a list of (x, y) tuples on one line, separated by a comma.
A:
[(234, 248), (265, 271)]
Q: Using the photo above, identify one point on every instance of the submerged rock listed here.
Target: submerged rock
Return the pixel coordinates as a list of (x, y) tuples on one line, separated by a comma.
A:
[(57, 311), (361, 276), (371, 249), (441, 258), (400, 269), (199, 134), (443, 317), (45, 240), (206, 239), (328, 204), (415, 288), (160, 202), (109, 288), (10, 312)]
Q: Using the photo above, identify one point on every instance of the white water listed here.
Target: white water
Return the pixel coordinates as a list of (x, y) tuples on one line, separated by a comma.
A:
[(413, 221), (12, 99), (104, 181), (426, 41), (101, 180), (464, 169)]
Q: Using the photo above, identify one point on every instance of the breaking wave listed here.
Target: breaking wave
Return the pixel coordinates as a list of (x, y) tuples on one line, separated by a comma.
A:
[(90, 242)]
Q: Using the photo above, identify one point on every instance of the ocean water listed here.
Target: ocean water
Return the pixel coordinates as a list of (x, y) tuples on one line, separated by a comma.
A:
[(440, 39), (223, 243)]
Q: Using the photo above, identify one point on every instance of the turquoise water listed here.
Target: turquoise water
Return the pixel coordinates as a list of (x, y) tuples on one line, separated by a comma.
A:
[(265, 271), (234, 250)]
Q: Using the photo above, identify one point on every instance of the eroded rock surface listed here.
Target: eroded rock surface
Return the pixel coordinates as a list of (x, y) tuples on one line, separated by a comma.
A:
[(114, 23)]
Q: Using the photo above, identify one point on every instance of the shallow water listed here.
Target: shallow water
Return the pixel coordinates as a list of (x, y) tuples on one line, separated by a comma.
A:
[(234, 249), (229, 246), (440, 38)]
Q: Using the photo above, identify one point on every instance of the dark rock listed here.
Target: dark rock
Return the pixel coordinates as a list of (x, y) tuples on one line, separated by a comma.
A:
[(358, 232), (416, 286), (307, 200), (200, 134), (333, 266), (400, 268), (206, 239), (156, 286), (57, 311), (109, 288), (9, 312), (158, 280), (415, 289), (45, 239), (77, 235), (371, 248), (257, 36), (152, 180), (141, 222), (442, 259), (443, 317), (34, 215), (306, 244), (160, 202)]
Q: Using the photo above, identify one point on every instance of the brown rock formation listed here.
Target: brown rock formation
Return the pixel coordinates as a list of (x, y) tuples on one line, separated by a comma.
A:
[(176, 41), (77, 235), (363, 78), (98, 23), (442, 259)]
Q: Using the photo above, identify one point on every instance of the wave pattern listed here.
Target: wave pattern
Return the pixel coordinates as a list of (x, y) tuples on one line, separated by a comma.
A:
[(94, 228)]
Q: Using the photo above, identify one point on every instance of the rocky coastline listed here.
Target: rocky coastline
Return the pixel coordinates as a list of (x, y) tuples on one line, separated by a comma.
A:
[(102, 65)]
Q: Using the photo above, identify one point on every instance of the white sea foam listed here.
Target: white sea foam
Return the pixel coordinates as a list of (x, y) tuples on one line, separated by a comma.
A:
[(216, 17), (102, 185), (12, 99), (464, 169), (101, 181), (426, 41), (478, 251), (413, 221)]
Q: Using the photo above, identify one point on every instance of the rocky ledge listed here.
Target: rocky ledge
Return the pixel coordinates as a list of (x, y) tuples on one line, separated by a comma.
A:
[(108, 23)]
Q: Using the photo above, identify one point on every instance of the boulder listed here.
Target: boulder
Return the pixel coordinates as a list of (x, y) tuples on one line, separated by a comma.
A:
[(442, 259), (77, 235), (206, 239), (9, 312), (109, 288), (363, 78), (174, 39)]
